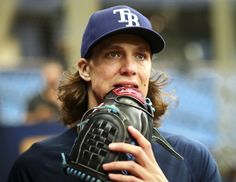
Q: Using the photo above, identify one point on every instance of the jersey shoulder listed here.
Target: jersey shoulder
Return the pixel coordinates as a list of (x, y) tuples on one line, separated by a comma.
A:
[(198, 159)]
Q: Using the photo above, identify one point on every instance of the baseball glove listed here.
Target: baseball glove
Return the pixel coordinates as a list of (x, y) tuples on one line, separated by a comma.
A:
[(108, 123)]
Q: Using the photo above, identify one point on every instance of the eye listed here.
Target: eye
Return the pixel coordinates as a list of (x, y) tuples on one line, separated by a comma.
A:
[(113, 54), (141, 57)]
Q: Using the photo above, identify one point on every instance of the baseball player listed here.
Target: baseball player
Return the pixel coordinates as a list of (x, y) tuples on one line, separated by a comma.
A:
[(117, 49)]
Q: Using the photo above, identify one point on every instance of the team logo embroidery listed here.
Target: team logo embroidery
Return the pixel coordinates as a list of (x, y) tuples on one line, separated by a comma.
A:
[(127, 17)]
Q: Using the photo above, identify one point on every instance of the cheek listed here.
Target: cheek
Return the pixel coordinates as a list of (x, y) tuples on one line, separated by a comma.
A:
[(146, 84), (145, 77), (101, 82), (146, 72), (101, 76)]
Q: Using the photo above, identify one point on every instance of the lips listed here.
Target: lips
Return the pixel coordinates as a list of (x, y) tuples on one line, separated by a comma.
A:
[(126, 84)]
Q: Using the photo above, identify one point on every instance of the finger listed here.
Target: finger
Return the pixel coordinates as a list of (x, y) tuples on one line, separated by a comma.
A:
[(139, 154), (122, 178), (142, 167), (130, 166), (142, 142)]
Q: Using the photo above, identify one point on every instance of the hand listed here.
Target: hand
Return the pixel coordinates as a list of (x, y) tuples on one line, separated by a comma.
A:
[(144, 168)]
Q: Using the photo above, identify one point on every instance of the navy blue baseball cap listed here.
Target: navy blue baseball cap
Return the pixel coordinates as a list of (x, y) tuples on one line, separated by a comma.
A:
[(115, 20)]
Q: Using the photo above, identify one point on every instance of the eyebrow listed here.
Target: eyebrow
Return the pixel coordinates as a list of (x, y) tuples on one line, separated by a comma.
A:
[(114, 46), (110, 46), (144, 48)]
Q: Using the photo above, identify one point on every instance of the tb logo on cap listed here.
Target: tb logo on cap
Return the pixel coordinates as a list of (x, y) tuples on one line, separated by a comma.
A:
[(127, 17)]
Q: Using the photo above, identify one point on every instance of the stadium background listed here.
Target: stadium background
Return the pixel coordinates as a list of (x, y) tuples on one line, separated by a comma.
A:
[(199, 57)]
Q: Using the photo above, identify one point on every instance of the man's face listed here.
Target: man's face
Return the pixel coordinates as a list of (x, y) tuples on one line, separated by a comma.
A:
[(121, 60)]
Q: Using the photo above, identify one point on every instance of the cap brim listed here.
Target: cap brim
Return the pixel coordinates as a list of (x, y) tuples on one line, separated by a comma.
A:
[(154, 39)]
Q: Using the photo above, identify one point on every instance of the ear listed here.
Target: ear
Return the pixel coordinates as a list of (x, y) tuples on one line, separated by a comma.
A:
[(84, 70)]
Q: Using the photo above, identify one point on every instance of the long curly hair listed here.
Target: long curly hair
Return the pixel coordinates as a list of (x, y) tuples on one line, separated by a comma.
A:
[(72, 92)]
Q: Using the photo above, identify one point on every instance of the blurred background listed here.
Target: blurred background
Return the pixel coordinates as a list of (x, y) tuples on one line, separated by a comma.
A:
[(199, 57)]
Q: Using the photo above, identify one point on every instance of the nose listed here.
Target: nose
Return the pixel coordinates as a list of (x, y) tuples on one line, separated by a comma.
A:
[(128, 67)]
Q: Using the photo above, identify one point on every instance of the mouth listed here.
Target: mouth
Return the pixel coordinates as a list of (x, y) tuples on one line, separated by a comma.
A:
[(130, 85)]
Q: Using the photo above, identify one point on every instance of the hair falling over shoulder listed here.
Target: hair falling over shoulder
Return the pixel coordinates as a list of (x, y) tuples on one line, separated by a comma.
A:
[(155, 92), (72, 92)]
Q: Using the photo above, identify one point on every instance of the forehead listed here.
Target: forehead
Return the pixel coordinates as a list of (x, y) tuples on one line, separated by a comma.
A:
[(123, 39)]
